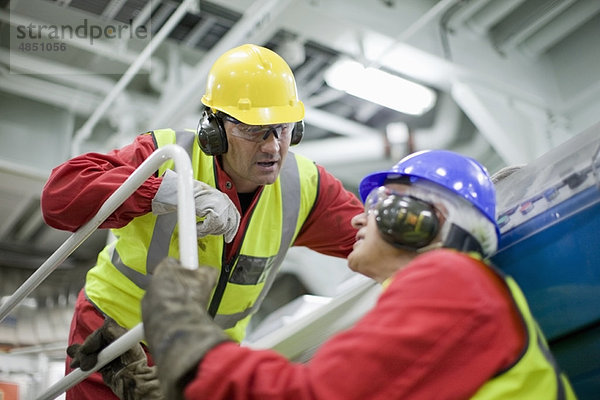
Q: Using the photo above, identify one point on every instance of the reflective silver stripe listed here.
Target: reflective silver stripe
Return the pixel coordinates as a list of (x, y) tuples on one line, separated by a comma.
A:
[(290, 189), (139, 279), (165, 224), (186, 140), (162, 233), (161, 241)]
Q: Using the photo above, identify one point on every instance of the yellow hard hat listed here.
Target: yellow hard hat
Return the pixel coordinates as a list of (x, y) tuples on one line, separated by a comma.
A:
[(255, 86)]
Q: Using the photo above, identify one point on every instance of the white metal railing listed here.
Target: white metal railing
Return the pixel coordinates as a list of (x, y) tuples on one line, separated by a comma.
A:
[(188, 252)]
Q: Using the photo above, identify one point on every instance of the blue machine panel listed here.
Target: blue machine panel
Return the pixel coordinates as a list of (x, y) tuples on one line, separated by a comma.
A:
[(549, 213)]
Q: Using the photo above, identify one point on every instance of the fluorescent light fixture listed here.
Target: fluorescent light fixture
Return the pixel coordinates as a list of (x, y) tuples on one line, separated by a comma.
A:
[(380, 87)]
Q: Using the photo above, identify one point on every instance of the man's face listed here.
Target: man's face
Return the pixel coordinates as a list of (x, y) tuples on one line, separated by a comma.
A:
[(255, 154), (372, 255)]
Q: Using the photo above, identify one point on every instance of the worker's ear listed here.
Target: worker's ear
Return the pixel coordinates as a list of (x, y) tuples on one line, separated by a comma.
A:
[(212, 138)]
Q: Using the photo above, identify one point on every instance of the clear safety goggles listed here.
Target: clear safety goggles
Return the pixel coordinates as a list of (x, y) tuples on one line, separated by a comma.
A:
[(259, 133), (421, 194), (383, 196)]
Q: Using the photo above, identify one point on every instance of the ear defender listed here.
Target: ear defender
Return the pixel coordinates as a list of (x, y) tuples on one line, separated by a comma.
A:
[(211, 134), (406, 222), (298, 133)]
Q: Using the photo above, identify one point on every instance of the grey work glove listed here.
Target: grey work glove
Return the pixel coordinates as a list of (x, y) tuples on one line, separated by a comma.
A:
[(220, 216), (128, 375), (178, 329)]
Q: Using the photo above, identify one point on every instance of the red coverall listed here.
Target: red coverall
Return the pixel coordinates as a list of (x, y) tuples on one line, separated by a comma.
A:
[(77, 189), (444, 326)]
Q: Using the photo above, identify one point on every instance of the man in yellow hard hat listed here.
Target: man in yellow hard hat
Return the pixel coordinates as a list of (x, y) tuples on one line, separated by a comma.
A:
[(253, 199)]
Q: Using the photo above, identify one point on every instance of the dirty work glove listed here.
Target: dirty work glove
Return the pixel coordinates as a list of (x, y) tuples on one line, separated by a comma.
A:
[(128, 375), (178, 329), (219, 213)]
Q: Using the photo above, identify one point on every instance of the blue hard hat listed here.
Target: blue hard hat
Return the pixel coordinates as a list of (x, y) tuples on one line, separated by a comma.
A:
[(459, 174)]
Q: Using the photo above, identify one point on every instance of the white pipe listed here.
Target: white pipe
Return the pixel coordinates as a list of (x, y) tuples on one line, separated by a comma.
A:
[(112, 351), (112, 9), (144, 14), (445, 129), (415, 27), (187, 226), (188, 252), (55, 71), (80, 102), (86, 130), (340, 125), (340, 150)]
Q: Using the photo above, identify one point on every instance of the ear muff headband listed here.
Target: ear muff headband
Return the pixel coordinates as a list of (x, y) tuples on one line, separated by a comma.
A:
[(406, 222), (462, 240), (212, 138)]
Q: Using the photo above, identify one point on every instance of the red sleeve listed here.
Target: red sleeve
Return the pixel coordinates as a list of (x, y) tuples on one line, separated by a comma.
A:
[(327, 228), (443, 324), (77, 188)]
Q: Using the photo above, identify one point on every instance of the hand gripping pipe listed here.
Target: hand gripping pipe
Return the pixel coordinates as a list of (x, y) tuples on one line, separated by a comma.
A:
[(187, 249)]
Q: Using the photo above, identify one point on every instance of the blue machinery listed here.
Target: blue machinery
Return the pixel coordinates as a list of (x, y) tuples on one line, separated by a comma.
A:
[(549, 213)]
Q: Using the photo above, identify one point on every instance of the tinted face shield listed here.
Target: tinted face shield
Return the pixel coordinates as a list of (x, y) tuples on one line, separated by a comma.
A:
[(403, 220)]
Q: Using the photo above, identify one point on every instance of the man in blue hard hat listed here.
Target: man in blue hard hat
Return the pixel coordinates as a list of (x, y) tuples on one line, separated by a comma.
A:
[(448, 325)]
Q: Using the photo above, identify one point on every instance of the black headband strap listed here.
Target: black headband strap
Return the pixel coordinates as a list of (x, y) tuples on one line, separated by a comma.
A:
[(461, 240)]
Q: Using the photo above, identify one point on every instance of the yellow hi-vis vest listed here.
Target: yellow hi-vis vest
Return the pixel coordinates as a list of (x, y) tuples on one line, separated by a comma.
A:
[(535, 375), (124, 267)]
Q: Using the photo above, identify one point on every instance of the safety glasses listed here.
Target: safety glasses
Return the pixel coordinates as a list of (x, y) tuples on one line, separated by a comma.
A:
[(259, 133)]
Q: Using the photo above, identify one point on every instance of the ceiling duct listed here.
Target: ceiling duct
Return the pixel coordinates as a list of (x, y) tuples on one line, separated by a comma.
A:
[(524, 21), (485, 15), (569, 21)]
